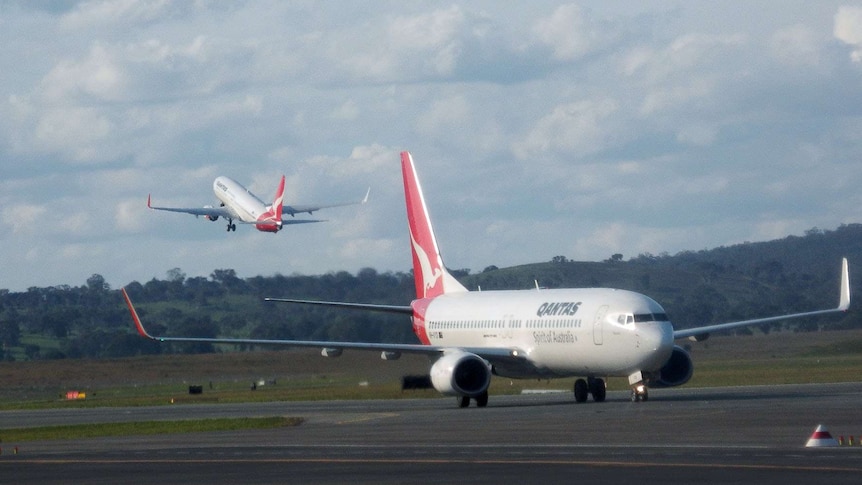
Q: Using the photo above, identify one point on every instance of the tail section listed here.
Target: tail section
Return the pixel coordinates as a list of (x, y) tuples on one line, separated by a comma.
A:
[(431, 276), (270, 221), (278, 203)]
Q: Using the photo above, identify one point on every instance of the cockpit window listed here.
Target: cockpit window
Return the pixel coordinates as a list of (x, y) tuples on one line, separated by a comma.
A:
[(651, 317)]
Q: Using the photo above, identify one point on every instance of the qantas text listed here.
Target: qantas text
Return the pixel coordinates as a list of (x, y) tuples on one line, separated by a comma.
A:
[(560, 308)]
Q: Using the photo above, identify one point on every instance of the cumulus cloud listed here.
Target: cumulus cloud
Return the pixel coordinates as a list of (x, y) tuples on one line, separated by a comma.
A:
[(107, 12), (572, 129), (848, 29), (523, 118), (796, 45), (97, 77), (24, 217), (569, 32)]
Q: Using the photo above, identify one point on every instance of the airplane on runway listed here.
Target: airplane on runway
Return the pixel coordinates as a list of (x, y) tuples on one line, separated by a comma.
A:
[(587, 333), (238, 203)]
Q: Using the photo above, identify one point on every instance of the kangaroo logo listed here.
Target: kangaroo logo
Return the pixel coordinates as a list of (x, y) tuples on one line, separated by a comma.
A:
[(430, 275)]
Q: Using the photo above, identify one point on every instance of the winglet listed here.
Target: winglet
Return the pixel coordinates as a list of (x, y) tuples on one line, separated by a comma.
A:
[(135, 316), (149, 197), (844, 302), (367, 193)]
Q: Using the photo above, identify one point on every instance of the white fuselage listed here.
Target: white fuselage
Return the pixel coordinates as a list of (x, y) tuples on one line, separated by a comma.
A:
[(237, 199), (571, 332)]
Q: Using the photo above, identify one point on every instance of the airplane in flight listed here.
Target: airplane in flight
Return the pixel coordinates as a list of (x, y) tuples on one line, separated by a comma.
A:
[(239, 204), (586, 333)]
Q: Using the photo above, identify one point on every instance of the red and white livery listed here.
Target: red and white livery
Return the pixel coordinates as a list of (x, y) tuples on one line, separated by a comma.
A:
[(237, 203)]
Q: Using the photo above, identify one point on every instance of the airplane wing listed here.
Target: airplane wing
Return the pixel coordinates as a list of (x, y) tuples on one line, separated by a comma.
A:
[(292, 210), (212, 212), (701, 333), (502, 355)]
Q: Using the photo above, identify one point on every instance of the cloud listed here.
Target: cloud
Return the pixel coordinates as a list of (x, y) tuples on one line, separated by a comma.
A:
[(662, 127), (23, 218), (97, 77), (570, 33), (848, 29), (796, 45), (572, 129), (107, 12)]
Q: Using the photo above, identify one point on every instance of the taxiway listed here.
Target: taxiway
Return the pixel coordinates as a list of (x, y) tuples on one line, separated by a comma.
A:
[(717, 435)]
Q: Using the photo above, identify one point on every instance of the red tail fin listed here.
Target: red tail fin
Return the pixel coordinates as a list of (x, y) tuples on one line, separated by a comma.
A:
[(430, 274), (278, 203), (270, 221)]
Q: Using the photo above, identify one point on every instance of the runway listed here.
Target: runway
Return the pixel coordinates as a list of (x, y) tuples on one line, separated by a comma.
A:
[(719, 435)]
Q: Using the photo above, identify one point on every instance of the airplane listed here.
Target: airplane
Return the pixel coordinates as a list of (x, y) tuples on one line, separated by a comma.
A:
[(238, 203), (470, 336)]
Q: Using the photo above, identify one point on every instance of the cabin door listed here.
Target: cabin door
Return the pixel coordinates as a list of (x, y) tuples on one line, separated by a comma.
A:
[(599, 325)]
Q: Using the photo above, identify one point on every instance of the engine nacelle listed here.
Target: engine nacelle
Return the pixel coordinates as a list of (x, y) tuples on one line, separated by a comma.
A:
[(676, 371), (461, 374), (210, 218)]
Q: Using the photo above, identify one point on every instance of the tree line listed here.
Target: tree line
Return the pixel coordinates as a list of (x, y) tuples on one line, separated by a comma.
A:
[(797, 273)]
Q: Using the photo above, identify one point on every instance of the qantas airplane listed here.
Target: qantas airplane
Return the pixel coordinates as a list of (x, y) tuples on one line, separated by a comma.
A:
[(238, 203), (586, 333)]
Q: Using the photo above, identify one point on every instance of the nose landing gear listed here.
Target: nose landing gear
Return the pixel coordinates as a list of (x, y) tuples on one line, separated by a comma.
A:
[(640, 393)]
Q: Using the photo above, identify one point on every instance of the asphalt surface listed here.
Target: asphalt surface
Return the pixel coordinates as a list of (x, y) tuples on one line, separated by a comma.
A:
[(726, 435)]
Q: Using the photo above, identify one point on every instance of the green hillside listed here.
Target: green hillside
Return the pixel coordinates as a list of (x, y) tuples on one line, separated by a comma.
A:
[(796, 273)]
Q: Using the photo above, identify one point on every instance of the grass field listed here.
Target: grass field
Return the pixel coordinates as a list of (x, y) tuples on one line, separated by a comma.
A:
[(782, 358)]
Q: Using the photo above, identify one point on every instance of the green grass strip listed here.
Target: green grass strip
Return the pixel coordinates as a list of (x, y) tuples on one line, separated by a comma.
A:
[(77, 431)]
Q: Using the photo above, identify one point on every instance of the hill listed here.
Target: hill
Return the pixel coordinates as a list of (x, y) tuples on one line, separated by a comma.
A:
[(796, 273)]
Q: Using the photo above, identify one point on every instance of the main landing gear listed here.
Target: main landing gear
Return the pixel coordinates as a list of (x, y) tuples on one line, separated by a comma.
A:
[(592, 385), (481, 400)]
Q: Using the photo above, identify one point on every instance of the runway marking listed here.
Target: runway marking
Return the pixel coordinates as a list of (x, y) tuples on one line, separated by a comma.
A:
[(432, 461), (368, 417)]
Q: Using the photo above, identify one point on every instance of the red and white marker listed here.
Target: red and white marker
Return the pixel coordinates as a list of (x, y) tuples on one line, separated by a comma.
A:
[(821, 438)]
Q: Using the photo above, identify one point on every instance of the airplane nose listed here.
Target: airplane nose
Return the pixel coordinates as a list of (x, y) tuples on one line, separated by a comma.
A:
[(656, 338)]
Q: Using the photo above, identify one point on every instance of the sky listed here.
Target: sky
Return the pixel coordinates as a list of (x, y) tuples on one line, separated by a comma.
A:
[(538, 129)]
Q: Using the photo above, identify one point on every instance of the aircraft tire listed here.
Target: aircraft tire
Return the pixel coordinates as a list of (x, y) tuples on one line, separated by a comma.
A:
[(598, 389), (482, 399), (463, 401), (581, 390)]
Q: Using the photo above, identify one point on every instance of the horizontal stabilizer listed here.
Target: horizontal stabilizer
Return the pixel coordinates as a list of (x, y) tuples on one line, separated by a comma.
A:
[(403, 309)]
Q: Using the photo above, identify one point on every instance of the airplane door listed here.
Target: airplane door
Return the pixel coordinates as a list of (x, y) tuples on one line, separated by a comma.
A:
[(509, 325), (599, 325)]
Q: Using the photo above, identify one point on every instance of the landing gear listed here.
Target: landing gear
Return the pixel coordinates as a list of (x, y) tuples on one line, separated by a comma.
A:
[(592, 385), (230, 225), (598, 388), (640, 393), (481, 400), (581, 390)]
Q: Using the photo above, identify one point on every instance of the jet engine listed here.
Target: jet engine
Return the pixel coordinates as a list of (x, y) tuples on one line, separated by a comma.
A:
[(211, 218), (461, 374), (675, 372)]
